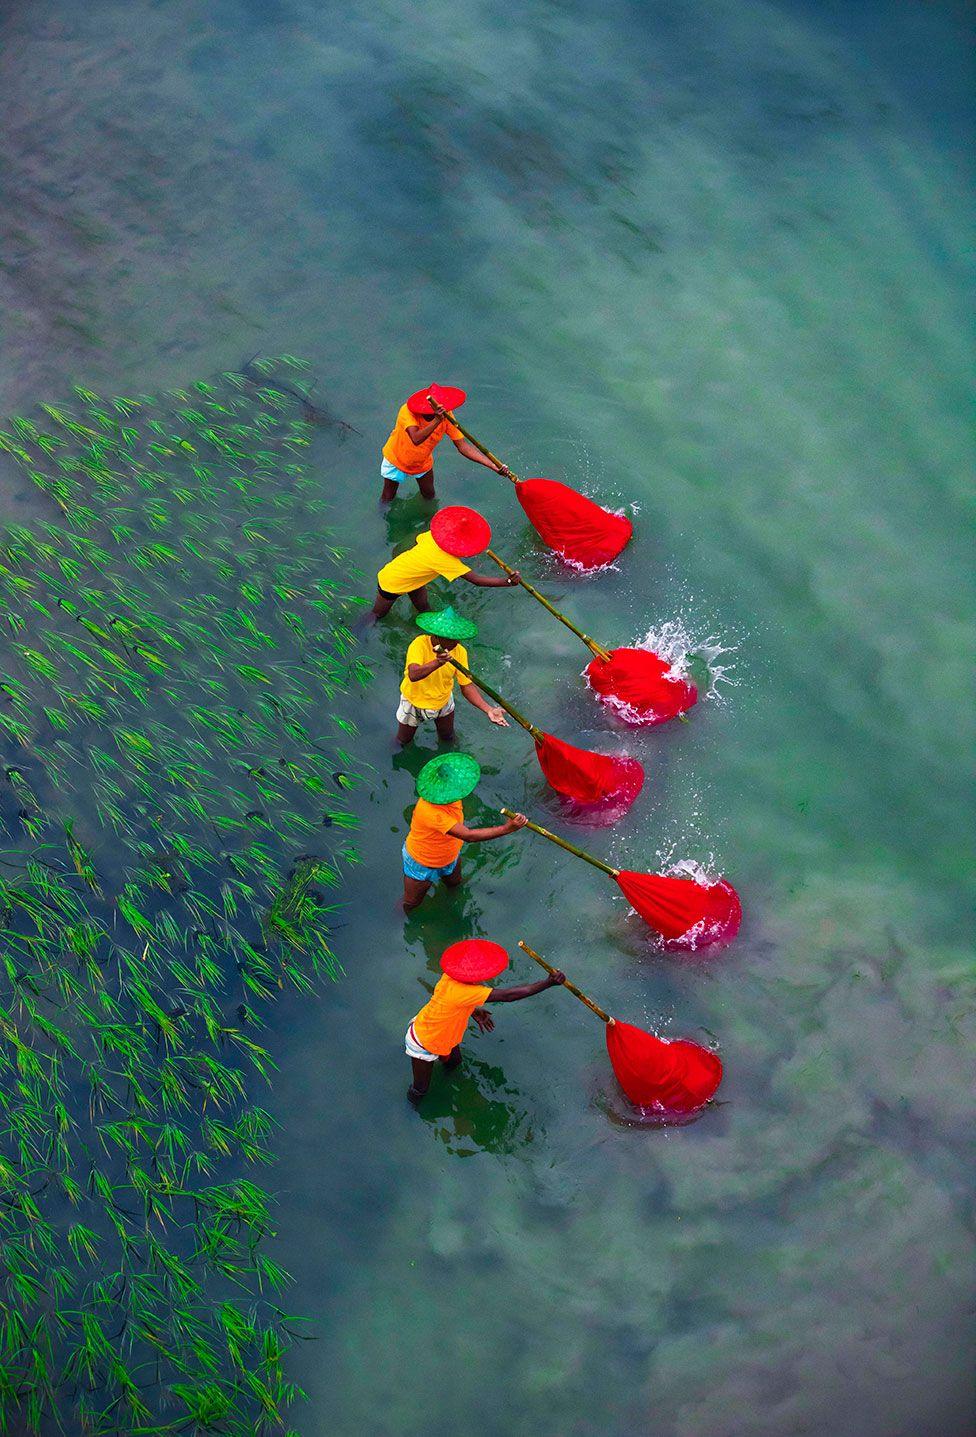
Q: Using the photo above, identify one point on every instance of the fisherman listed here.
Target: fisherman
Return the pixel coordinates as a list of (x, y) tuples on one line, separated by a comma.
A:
[(427, 690), (438, 1029), (420, 426), (432, 848), (455, 534)]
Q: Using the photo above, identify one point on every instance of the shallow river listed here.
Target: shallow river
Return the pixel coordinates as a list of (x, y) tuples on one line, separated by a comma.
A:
[(708, 258)]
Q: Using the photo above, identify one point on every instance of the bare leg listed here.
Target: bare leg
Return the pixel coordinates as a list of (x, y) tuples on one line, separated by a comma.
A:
[(425, 483), (420, 599), (421, 1079), (382, 604), (453, 1059), (414, 890), (390, 489), (454, 880), (445, 727), (405, 734)]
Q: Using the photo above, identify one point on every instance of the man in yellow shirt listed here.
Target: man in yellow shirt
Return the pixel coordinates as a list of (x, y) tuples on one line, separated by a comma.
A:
[(456, 533), (427, 690), (420, 426), (439, 1027), (438, 832)]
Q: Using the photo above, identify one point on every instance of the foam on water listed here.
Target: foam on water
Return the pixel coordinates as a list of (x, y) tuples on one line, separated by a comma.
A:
[(678, 643)]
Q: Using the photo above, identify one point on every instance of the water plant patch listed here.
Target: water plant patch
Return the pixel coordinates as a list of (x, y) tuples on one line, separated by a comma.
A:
[(177, 771)]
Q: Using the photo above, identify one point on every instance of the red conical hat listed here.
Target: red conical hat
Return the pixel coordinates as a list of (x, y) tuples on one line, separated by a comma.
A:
[(474, 960), (443, 394), (460, 531)]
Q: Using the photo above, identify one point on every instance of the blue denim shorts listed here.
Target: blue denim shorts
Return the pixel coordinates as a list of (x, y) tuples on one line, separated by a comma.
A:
[(390, 471), (413, 869)]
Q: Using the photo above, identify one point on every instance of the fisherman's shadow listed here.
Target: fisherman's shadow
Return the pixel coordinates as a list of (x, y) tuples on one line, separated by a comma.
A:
[(446, 916), (474, 1110), (406, 518)]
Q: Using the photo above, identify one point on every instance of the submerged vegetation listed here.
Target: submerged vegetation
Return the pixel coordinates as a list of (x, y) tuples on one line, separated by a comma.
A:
[(174, 803)]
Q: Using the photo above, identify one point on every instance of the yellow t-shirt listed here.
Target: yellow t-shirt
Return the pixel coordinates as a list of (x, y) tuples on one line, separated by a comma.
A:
[(428, 841), (434, 691), (417, 566), (404, 453), (440, 1024)]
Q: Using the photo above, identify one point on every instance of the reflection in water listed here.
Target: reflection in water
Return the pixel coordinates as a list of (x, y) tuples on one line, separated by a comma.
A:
[(405, 518), (446, 916), (474, 1110), (624, 1115)]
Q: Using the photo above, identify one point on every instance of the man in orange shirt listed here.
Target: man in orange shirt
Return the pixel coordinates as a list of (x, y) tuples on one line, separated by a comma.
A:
[(432, 850), (420, 426), (438, 1029)]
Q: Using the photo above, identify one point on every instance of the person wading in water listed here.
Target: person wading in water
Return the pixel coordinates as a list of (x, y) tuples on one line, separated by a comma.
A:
[(437, 1031), (420, 426), (455, 534)]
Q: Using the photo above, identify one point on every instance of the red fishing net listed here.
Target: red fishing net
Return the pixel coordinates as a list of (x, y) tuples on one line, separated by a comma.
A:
[(584, 776), (675, 1077), (687, 914), (635, 684), (579, 530)]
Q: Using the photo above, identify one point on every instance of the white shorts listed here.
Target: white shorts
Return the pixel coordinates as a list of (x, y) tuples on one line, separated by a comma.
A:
[(390, 471), (415, 1050), (413, 717)]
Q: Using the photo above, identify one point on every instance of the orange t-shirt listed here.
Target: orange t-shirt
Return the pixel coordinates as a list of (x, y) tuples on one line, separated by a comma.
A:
[(428, 840), (404, 453), (440, 1024)]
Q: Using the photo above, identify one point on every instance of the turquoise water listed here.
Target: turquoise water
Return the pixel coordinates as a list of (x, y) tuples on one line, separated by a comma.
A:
[(711, 259)]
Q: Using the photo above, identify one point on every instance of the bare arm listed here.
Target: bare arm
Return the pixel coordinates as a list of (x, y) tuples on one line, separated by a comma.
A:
[(483, 1018), (521, 990), (525, 990), (481, 835), (474, 696), (417, 433), (416, 672), (465, 447)]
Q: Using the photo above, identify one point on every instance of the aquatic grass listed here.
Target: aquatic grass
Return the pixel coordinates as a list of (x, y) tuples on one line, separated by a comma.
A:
[(161, 903)]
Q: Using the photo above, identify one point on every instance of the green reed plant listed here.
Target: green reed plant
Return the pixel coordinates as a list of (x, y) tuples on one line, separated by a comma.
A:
[(169, 755)]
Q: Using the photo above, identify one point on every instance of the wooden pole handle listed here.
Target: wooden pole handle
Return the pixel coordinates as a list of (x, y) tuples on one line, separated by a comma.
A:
[(576, 992), (483, 448), (563, 843), (512, 712), (591, 644)]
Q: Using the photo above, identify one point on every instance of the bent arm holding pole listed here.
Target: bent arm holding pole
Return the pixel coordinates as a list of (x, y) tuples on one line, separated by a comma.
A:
[(564, 843), (576, 992), (594, 648), (536, 733)]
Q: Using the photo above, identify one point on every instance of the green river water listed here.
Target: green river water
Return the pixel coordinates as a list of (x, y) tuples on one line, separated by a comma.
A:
[(711, 259)]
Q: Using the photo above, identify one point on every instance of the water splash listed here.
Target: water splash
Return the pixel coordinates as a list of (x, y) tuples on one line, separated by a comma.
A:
[(692, 659)]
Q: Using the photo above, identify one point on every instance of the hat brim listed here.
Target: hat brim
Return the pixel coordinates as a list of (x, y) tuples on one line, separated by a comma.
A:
[(449, 777), (460, 531), (474, 960), (446, 624), (446, 395)]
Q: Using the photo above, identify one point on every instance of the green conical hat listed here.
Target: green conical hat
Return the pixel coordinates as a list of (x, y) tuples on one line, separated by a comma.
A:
[(447, 624), (448, 777)]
